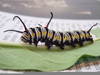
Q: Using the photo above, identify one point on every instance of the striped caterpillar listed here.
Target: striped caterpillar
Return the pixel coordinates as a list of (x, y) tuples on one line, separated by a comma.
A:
[(51, 37)]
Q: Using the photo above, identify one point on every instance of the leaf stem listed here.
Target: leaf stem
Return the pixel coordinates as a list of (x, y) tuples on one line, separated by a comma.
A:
[(97, 39)]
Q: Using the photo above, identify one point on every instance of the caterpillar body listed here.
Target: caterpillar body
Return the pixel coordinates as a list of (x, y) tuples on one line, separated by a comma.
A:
[(51, 37)]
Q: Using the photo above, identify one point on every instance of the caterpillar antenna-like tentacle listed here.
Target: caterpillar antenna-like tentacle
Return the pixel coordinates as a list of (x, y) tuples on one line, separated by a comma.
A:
[(92, 27), (49, 20), (21, 22), (14, 31)]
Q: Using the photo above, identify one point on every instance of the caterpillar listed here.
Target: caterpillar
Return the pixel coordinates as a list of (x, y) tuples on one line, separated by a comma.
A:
[(51, 37)]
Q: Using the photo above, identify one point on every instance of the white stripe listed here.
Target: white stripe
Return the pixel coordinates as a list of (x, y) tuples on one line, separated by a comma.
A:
[(49, 31), (31, 32)]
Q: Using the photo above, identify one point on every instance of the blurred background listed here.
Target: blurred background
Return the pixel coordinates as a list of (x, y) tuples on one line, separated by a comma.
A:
[(63, 9)]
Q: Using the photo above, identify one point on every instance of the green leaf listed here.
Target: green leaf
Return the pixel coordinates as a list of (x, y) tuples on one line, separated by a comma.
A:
[(17, 56), (96, 32), (23, 58)]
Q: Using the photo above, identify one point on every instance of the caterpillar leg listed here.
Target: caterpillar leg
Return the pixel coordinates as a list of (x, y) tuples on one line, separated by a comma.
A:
[(73, 45), (61, 47), (81, 43), (91, 40), (48, 45), (35, 44)]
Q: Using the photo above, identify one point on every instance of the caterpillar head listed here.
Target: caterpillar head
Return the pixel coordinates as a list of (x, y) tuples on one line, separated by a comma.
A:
[(26, 36)]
